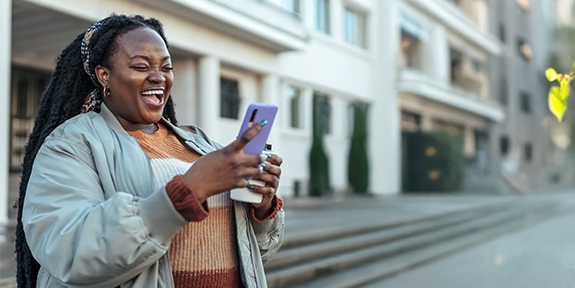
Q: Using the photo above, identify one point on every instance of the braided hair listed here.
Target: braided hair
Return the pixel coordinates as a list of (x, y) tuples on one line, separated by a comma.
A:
[(63, 100)]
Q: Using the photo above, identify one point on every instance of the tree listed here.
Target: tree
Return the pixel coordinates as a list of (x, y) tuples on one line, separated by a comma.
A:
[(358, 162), (319, 182)]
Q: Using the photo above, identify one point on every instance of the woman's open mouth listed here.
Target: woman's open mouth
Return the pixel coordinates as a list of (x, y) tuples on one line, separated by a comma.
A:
[(153, 97)]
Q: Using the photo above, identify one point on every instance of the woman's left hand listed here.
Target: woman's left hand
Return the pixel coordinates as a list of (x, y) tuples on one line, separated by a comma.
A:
[(271, 176)]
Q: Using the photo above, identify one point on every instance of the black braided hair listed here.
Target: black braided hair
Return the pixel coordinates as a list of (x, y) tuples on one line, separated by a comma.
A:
[(61, 101)]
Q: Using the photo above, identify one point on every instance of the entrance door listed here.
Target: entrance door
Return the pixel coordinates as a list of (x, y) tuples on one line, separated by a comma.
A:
[(27, 87)]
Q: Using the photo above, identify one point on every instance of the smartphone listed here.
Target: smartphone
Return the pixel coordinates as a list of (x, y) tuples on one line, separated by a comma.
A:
[(254, 115)]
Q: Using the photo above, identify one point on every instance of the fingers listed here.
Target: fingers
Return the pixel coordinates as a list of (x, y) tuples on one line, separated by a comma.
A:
[(271, 175), (267, 191), (269, 179), (242, 141), (272, 158)]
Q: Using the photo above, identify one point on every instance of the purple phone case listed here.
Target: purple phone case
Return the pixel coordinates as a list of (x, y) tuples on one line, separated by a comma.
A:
[(264, 111)]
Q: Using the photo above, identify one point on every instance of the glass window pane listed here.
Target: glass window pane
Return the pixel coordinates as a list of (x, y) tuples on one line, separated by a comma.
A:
[(294, 96), (324, 110), (355, 28), (322, 16), (230, 98), (291, 5)]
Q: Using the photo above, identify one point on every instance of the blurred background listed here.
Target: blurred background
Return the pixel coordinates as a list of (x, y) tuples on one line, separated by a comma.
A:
[(376, 97)]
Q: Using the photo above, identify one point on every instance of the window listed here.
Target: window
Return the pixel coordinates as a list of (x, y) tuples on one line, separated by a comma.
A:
[(524, 49), (26, 90), (230, 98), (410, 122), (525, 99), (411, 51), (323, 112), (291, 5), (322, 16), (528, 152), (525, 5), (504, 145), (355, 28), (502, 32), (294, 96), (503, 97)]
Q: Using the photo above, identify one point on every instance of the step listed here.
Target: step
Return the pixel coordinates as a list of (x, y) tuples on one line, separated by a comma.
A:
[(323, 267), (361, 240), (307, 236), (370, 274)]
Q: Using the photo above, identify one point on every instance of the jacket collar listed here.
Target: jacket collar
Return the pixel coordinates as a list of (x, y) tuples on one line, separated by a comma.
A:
[(115, 125)]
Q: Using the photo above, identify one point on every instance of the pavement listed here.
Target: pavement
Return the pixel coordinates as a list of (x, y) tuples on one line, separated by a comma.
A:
[(312, 214), (540, 256)]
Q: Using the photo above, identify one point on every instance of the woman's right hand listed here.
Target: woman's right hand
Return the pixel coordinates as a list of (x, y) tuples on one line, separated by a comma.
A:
[(224, 169)]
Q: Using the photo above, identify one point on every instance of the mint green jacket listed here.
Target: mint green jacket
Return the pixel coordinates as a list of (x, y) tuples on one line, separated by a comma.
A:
[(92, 218)]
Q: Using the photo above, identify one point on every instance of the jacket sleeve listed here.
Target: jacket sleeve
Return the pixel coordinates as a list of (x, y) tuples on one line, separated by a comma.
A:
[(79, 237), (269, 235)]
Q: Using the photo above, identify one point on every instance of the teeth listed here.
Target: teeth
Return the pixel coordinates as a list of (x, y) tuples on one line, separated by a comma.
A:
[(153, 92)]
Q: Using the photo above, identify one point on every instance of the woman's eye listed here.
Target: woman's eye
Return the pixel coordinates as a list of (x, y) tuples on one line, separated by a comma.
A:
[(140, 67), (168, 68)]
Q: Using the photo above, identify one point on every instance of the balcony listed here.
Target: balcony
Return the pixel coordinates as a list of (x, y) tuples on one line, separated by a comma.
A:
[(472, 28), (255, 21), (468, 75), (415, 82), (476, 10)]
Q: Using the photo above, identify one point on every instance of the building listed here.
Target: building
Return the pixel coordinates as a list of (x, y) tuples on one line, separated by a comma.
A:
[(531, 146), (444, 83), (227, 54)]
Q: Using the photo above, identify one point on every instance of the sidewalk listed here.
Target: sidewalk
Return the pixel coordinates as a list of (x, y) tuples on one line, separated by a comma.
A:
[(315, 214)]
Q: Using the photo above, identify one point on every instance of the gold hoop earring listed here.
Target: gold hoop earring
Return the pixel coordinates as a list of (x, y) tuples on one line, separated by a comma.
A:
[(106, 92)]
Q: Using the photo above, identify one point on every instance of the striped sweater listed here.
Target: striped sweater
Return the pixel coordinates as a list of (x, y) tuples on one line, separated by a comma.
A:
[(202, 254)]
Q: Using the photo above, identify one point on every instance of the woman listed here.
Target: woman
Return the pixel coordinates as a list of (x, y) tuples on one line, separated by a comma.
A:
[(108, 197)]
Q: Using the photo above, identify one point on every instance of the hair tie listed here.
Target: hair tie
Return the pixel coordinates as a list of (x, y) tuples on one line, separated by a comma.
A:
[(87, 52)]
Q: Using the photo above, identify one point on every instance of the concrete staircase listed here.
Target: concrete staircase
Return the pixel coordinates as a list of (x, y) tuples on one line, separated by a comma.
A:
[(358, 254)]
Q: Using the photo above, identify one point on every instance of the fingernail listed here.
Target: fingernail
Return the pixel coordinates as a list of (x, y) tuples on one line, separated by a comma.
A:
[(263, 123), (268, 155), (263, 165), (251, 187)]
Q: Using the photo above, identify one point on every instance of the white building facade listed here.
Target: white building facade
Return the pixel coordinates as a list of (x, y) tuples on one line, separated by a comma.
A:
[(226, 55)]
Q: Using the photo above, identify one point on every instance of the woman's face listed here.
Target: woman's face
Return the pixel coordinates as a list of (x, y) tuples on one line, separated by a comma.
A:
[(139, 79)]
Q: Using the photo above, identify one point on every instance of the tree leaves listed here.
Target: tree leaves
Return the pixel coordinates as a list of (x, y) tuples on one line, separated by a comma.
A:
[(558, 95), (551, 74), (557, 103)]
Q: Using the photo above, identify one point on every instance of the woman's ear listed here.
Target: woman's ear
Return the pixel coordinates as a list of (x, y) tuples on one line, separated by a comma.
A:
[(103, 74)]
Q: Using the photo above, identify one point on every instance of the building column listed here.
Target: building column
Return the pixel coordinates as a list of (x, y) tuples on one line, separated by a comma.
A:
[(426, 122), (438, 55), (384, 132), (209, 93), (270, 93), (185, 93), (5, 65), (337, 21), (469, 142)]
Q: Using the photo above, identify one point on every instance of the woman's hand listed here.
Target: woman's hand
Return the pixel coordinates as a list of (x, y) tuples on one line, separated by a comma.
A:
[(271, 175), (224, 169)]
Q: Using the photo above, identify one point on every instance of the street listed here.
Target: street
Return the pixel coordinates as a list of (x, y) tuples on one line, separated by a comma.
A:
[(540, 256)]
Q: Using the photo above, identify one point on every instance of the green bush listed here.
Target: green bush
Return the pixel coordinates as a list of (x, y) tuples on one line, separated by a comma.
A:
[(358, 162), (454, 159), (319, 182)]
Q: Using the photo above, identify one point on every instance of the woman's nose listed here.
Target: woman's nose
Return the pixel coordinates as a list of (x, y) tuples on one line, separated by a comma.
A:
[(156, 76)]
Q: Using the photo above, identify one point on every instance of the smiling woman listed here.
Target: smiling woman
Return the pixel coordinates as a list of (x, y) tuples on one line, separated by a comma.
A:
[(138, 79), (114, 193)]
